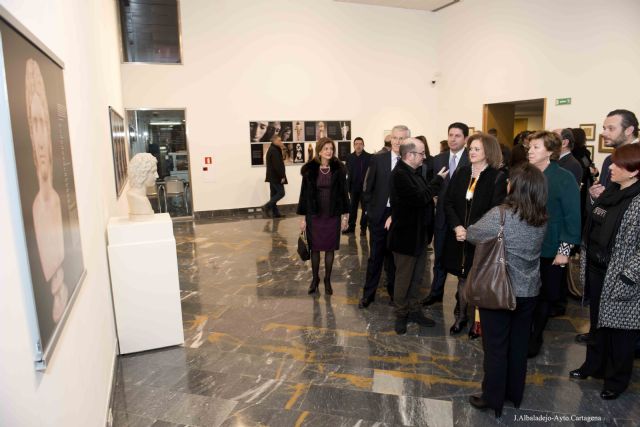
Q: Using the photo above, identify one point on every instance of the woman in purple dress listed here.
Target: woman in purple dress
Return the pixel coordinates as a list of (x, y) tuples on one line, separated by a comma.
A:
[(323, 199)]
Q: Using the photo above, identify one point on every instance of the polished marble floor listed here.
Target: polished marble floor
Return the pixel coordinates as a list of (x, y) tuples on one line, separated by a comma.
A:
[(260, 352)]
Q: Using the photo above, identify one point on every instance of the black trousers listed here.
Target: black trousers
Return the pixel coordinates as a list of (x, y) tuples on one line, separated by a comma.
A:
[(356, 200), (379, 256), (505, 338), (551, 277), (612, 353), (611, 357), (439, 273), (595, 280)]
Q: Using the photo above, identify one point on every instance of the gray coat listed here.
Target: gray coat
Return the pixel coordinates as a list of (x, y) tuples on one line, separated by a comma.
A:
[(523, 244), (620, 299)]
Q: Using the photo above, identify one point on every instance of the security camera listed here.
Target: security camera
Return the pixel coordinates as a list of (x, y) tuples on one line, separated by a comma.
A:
[(435, 78)]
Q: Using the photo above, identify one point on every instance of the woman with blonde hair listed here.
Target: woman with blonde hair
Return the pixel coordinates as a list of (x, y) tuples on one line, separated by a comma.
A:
[(324, 198)]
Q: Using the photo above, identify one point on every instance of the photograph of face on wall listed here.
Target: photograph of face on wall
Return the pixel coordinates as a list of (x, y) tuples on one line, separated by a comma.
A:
[(37, 106), (119, 148), (291, 132)]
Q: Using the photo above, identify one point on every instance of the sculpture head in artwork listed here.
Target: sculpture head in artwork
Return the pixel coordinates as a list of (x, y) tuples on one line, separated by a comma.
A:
[(143, 172)]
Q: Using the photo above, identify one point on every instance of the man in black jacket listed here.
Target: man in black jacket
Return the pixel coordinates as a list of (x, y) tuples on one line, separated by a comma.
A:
[(276, 176), (454, 158), (357, 166), (411, 198), (376, 199), (567, 160)]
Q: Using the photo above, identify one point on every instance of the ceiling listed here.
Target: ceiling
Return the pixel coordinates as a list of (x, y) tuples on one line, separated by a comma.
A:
[(430, 5)]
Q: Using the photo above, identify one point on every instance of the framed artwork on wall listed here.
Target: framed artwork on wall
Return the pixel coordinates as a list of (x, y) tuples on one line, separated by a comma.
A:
[(294, 134), (589, 131), (119, 149), (35, 129), (603, 148)]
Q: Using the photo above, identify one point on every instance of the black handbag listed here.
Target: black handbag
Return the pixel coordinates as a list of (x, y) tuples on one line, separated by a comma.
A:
[(303, 246), (488, 284)]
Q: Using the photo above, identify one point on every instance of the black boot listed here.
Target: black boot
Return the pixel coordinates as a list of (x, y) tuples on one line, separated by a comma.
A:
[(313, 287), (328, 266), (401, 325), (327, 286), (315, 269)]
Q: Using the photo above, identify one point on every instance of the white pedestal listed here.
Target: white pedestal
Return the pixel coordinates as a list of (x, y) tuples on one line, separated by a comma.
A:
[(144, 282)]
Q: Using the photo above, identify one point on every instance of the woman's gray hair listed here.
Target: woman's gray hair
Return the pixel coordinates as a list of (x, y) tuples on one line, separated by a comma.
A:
[(139, 168)]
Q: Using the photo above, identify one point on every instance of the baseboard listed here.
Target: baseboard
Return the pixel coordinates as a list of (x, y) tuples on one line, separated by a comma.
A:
[(114, 367), (241, 213)]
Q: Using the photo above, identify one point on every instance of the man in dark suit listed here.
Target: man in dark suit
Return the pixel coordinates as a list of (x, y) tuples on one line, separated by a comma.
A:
[(456, 157), (276, 177), (411, 199), (567, 160), (357, 166), (376, 198)]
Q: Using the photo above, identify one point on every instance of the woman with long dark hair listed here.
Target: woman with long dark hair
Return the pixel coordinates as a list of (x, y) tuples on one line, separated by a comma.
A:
[(323, 199), (610, 269), (505, 334), (473, 190)]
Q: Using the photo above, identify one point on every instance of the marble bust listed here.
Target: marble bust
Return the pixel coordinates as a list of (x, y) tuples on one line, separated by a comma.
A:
[(143, 172)]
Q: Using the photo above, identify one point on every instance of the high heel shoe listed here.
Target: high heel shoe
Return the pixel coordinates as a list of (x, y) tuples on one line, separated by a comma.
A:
[(457, 327), (313, 287), (475, 331), (479, 403), (327, 286)]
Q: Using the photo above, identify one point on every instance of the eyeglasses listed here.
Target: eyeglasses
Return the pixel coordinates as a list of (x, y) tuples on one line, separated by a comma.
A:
[(422, 154)]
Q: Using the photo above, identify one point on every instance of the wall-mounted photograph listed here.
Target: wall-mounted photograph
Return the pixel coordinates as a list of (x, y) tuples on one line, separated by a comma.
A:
[(294, 134), (119, 149), (47, 194), (344, 149), (298, 130), (589, 131)]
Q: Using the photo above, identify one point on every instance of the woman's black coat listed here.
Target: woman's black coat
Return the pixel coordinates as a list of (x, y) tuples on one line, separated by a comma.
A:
[(490, 191), (308, 201)]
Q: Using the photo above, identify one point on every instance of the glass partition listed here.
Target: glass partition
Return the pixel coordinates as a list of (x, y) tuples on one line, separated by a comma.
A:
[(162, 133)]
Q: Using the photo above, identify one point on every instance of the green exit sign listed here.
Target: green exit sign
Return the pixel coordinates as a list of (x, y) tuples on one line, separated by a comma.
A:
[(563, 101)]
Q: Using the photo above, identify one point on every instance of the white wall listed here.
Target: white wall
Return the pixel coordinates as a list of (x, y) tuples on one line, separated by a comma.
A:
[(74, 389), (507, 50), (282, 59)]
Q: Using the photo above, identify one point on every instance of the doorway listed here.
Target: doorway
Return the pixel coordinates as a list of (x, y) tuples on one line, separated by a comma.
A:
[(162, 133), (511, 118)]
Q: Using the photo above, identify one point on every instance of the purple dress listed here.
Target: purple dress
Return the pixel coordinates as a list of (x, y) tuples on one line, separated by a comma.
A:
[(325, 229)]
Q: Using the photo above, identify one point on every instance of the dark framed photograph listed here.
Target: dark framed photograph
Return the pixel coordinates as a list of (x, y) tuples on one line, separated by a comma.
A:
[(257, 154), (589, 131), (37, 130), (603, 148), (344, 149), (119, 149)]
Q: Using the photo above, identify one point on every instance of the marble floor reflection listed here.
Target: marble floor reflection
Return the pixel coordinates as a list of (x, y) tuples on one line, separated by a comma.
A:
[(260, 352)]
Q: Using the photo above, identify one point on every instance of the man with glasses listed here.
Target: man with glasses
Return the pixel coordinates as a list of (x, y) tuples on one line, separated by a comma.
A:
[(411, 197), (376, 198)]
